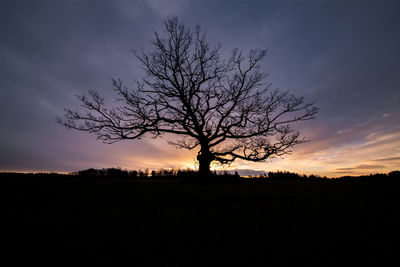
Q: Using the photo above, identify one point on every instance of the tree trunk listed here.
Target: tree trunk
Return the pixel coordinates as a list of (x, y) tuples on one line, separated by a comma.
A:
[(205, 158), (204, 167)]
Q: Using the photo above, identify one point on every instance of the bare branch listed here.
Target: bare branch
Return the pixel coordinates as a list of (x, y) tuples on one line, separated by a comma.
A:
[(222, 106)]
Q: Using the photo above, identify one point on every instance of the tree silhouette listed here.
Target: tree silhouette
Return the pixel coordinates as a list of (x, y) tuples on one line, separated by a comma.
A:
[(220, 106)]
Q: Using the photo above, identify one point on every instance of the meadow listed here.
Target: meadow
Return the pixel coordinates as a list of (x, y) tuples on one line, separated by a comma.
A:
[(171, 223)]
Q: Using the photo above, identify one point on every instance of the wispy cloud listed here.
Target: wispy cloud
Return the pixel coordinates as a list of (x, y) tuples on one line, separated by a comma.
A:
[(362, 167), (166, 8), (389, 159)]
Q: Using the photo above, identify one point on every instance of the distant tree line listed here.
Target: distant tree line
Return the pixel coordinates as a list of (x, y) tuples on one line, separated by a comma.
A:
[(290, 176), (173, 173), (118, 173), (394, 175), (189, 174)]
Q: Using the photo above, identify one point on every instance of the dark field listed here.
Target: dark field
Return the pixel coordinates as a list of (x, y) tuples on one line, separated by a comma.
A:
[(184, 224)]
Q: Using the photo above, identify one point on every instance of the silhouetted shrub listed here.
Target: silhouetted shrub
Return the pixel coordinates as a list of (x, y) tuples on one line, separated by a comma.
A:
[(88, 172), (117, 173), (394, 175), (133, 174)]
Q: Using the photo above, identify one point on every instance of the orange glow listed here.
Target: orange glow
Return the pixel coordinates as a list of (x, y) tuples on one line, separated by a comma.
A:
[(374, 148)]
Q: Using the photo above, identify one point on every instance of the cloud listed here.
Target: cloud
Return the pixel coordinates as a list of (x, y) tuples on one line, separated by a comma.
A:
[(344, 172), (388, 159), (356, 150), (362, 166), (166, 8)]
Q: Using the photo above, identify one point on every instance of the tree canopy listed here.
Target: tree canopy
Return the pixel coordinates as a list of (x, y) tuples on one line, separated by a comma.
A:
[(220, 106)]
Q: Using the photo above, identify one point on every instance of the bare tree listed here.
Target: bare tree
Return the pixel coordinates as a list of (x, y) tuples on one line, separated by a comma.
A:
[(221, 106)]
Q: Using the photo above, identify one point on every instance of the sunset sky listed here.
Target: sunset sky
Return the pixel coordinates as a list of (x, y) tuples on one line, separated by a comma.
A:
[(345, 56)]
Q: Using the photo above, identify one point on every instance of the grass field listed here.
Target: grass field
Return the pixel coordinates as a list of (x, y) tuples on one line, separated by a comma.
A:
[(184, 224)]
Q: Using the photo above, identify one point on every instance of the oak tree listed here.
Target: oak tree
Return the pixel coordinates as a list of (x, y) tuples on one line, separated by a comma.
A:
[(220, 106)]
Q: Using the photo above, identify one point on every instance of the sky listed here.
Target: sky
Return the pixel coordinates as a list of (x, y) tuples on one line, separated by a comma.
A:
[(345, 56)]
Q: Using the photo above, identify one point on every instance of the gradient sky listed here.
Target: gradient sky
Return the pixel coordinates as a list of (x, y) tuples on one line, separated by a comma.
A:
[(343, 55)]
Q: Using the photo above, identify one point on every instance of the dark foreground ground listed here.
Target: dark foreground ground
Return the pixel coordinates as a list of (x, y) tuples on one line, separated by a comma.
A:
[(183, 224)]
